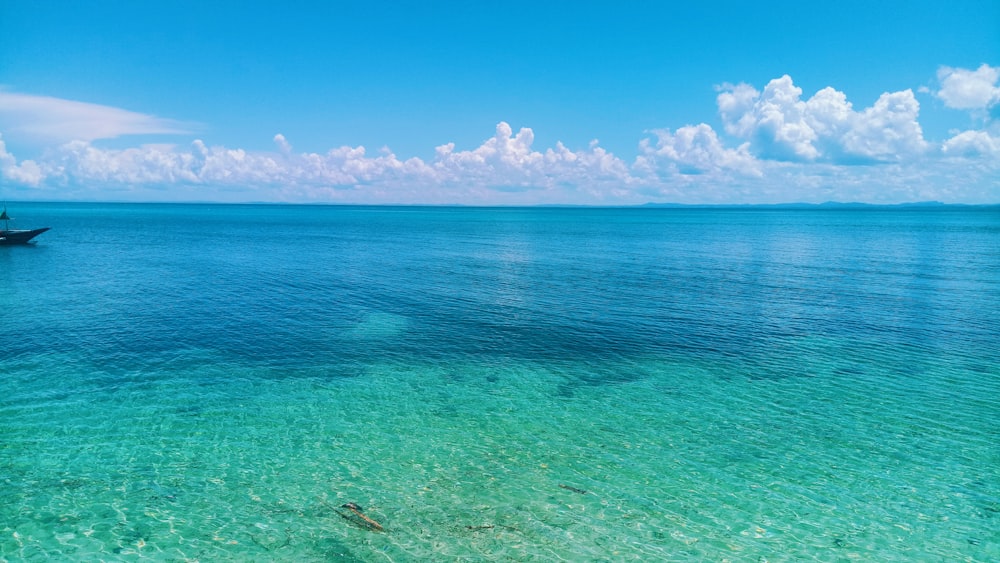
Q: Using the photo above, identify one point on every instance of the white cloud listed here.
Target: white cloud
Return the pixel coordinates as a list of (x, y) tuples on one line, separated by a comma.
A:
[(504, 164), (782, 126), (509, 161), (776, 146), (55, 120), (694, 149), (782, 118), (969, 89), (27, 172), (736, 104), (888, 130), (972, 144), (283, 145)]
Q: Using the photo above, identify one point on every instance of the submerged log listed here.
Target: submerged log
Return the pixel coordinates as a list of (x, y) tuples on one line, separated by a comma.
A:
[(574, 489), (355, 515)]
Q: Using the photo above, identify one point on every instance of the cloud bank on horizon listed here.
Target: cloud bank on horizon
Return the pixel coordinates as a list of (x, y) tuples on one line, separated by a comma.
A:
[(775, 145)]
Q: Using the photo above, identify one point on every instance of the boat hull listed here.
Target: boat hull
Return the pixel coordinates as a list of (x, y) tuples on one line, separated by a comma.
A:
[(19, 236)]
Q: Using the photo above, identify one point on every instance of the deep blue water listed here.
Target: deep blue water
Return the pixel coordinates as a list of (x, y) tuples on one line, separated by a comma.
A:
[(865, 327), (267, 282)]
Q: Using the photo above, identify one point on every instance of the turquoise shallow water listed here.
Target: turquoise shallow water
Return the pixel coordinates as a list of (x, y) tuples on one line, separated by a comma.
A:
[(214, 382)]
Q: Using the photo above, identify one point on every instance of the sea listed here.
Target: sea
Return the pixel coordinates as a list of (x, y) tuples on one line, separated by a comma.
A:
[(198, 382)]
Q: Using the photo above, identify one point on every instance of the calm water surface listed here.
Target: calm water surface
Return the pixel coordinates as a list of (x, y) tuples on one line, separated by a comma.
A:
[(211, 383)]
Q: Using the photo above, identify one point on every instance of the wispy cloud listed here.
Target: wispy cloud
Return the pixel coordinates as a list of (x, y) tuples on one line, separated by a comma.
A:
[(55, 120)]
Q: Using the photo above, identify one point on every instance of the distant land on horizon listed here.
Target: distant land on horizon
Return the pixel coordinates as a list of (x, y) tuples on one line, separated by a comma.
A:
[(827, 204)]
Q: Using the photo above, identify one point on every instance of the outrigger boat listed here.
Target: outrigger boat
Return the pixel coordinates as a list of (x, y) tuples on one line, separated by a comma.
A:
[(16, 236)]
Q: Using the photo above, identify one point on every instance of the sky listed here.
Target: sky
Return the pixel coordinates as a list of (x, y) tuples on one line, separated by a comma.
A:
[(500, 103)]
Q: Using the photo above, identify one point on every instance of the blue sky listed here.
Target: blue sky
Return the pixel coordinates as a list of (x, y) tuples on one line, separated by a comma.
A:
[(500, 103)]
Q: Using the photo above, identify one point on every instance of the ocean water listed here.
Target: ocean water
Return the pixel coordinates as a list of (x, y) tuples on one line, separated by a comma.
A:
[(216, 382)]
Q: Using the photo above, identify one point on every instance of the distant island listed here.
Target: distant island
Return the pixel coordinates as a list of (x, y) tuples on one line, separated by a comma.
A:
[(824, 205)]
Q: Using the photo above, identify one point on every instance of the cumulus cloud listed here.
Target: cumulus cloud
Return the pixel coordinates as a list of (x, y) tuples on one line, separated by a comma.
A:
[(55, 120), (972, 144), (888, 130), (781, 125), (283, 145), (774, 145), (27, 172), (504, 163), (508, 160), (969, 89), (694, 149)]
